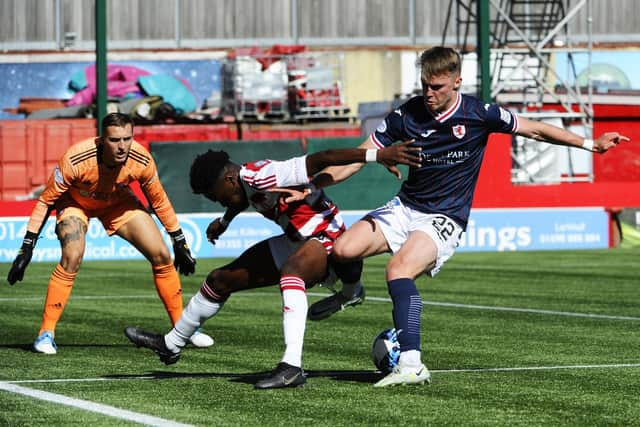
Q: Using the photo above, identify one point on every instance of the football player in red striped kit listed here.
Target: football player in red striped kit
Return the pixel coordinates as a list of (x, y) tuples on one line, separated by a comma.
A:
[(295, 260)]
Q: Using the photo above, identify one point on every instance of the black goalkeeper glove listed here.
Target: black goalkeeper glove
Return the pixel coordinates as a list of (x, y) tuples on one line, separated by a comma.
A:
[(23, 259), (183, 261)]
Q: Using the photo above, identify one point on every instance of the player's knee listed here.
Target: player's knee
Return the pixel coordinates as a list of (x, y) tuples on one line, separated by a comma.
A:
[(310, 266), (70, 263), (218, 283), (396, 269), (299, 267), (161, 257), (340, 251)]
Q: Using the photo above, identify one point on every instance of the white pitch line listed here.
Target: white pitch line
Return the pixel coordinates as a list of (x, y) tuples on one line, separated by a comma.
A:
[(86, 405), (511, 309), (436, 371), (537, 368), (81, 380)]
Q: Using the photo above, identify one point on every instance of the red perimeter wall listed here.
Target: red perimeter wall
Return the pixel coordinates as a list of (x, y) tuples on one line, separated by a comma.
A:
[(30, 148)]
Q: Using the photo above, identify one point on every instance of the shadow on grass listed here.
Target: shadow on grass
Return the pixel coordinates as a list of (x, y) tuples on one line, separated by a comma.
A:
[(29, 346), (25, 347), (252, 378)]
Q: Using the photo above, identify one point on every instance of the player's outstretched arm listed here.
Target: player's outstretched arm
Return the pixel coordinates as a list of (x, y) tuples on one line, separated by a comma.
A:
[(389, 157), (554, 135), (402, 153)]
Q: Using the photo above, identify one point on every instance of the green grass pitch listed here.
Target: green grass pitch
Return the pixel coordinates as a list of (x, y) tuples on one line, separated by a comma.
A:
[(519, 338)]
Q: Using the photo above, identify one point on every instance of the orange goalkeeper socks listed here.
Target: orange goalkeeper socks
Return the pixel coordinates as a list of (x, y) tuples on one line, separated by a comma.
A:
[(169, 289), (58, 291)]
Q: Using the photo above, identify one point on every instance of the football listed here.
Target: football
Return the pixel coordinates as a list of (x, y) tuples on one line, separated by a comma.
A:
[(385, 350)]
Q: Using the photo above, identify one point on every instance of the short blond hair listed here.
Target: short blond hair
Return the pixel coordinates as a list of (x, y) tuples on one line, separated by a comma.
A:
[(439, 60)]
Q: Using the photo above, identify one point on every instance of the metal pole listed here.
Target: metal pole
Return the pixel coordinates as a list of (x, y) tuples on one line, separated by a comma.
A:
[(483, 51), (412, 22), (589, 74), (58, 24), (177, 22), (101, 62), (295, 15)]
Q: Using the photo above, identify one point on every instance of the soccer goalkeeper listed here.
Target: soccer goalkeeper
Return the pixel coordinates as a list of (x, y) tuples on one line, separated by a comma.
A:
[(92, 180)]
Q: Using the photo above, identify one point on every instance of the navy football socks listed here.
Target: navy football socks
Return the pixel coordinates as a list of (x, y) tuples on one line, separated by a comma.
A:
[(407, 309)]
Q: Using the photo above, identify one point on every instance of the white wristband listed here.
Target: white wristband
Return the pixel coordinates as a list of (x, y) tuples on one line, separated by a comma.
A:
[(371, 155), (224, 222), (587, 144)]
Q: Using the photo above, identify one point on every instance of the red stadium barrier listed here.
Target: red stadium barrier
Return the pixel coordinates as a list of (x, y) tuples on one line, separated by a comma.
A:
[(29, 149), (252, 132), (495, 189), (176, 133)]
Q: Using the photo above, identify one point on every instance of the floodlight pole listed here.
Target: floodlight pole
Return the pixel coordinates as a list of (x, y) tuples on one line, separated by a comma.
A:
[(101, 62), (483, 47)]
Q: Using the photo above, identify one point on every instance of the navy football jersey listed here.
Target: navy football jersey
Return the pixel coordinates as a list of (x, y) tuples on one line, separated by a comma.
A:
[(453, 144)]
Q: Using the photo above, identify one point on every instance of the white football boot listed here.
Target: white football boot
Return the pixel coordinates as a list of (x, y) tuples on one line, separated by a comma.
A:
[(200, 339), (406, 375)]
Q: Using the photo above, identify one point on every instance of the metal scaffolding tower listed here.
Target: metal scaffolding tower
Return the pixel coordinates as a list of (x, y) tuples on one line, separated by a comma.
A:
[(526, 37)]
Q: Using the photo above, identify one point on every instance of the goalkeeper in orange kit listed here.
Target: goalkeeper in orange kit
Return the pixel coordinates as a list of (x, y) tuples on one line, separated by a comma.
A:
[(92, 180)]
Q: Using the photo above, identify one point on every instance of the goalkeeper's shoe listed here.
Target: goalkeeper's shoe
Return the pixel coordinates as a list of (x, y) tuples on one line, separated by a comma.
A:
[(406, 375), (45, 343), (326, 307), (284, 375), (200, 339), (153, 342)]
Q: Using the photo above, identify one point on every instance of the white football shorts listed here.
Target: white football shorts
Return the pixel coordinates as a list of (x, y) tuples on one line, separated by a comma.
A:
[(396, 221)]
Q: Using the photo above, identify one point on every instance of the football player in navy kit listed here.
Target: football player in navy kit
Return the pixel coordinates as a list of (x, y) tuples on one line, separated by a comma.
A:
[(422, 224)]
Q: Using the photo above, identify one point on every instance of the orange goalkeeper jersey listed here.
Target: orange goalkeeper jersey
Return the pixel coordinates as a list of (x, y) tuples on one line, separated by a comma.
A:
[(94, 186)]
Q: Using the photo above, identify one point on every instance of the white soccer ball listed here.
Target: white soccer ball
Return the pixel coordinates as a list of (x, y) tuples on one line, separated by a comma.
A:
[(385, 350)]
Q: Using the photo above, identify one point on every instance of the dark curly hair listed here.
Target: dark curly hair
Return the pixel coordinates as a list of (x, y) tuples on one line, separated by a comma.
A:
[(205, 170)]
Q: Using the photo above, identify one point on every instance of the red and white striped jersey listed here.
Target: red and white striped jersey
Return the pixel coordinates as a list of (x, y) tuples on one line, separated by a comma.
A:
[(315, 216)]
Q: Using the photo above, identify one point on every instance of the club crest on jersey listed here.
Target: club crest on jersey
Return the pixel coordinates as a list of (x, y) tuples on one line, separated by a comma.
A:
[(459, 131)]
